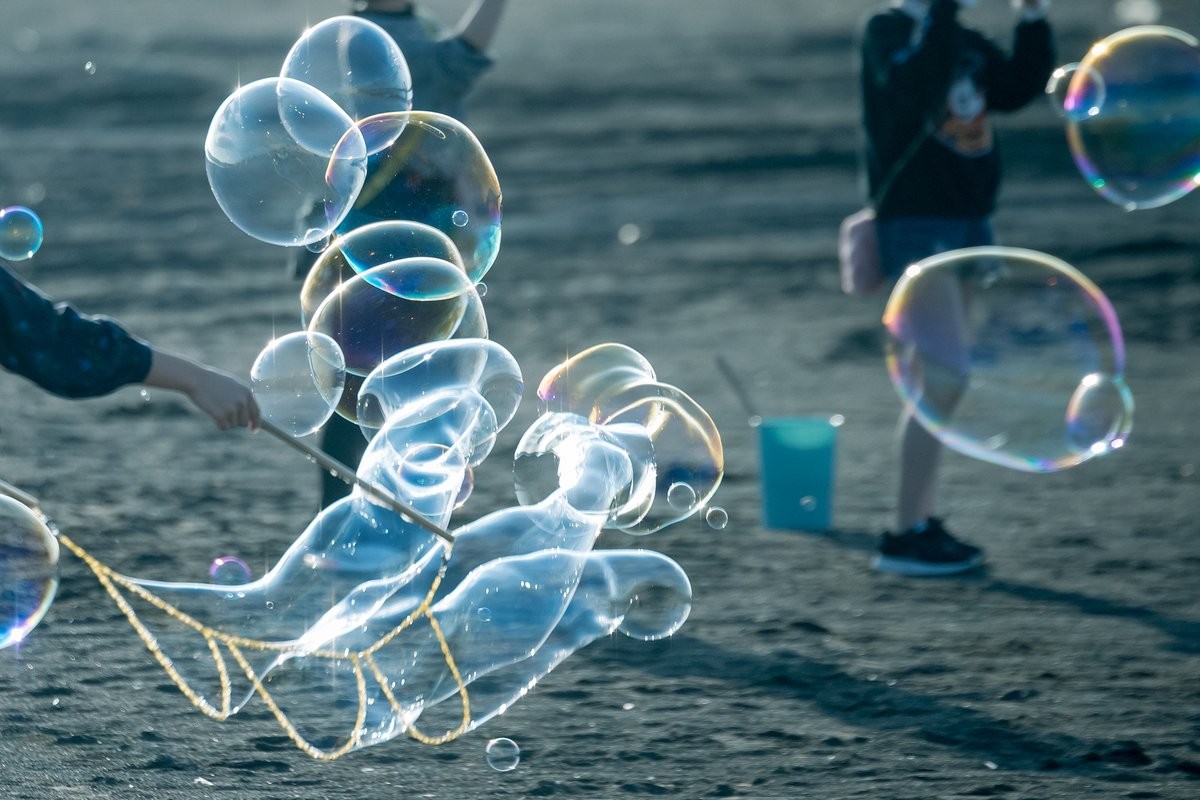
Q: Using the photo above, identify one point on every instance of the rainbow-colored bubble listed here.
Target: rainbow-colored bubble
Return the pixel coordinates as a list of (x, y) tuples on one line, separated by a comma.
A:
[(1010, 356), (1134, 116)]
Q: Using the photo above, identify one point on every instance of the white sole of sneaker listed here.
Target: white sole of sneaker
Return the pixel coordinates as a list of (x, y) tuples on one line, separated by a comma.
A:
[(922, 569)]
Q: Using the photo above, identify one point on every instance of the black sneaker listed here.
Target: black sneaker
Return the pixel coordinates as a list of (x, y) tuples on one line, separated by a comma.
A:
[(925, 551)]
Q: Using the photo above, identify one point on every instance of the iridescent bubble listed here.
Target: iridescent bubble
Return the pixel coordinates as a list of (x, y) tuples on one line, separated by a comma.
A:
[(28, 570), (1085, 102), (615, 387), (1141, 149), (229, 571), (285, 163), (503, 755), (298, 379), (398, 305), (20, 233), (460, 218), (433, 168), (1010, 356), (355, 63), (366, 248)]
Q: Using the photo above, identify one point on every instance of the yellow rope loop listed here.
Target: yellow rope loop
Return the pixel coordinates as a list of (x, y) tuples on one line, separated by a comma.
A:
[(110, 581)]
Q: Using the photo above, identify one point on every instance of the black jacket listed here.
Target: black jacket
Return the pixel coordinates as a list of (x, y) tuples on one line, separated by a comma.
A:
[(941, 76)]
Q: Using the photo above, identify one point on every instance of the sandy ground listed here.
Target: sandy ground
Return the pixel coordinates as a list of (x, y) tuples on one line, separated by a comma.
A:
[(726, 133)]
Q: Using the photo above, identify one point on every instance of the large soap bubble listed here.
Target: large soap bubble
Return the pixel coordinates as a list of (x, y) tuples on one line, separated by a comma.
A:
[(28, 570), (366, 248), (355, 63), (1010, 356), (1140, 146), (298, 379), (434, 171), (284, 161), (20, 233), (681, 459)]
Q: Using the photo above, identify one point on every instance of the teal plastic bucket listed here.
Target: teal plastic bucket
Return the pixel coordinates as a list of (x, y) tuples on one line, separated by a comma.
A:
[(797, 470)]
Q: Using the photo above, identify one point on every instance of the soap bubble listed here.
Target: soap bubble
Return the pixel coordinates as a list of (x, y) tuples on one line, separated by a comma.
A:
[(367, 247), (284, 162), (229, 571), (717, 518), (1087, 99), (1010, 356), (297, 380), (436, 172), (28, 570), (615, 387), (20, 233), (503, 755), (398, 305), (1141, 148), (355, 63)]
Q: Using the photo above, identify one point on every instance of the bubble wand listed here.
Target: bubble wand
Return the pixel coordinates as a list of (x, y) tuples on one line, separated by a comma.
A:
[(344, 472)]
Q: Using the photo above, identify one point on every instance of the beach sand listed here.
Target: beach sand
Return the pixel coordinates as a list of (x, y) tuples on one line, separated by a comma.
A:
[(726, 133)]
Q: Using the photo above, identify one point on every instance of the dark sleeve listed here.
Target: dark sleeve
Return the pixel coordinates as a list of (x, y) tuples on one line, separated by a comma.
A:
[(1021, 77), (66, 353), (912, 72)]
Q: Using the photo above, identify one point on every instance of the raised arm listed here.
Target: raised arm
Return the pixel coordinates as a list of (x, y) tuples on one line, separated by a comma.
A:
[(479, 23)]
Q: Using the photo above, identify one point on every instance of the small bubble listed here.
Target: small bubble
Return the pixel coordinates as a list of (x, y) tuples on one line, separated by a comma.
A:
[(481, 289), (485, 614), (680, 496), (319, 246), (460, 218), (503, 755), (808, 502), (144, 395), (228, 571), (837, 420), (90, 68), (717, 518), (627, 706)]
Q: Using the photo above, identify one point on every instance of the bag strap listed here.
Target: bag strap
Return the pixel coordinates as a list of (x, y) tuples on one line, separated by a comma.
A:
[(899, 164)]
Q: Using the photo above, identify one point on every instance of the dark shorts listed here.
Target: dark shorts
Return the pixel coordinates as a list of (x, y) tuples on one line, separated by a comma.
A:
[(906, 240)]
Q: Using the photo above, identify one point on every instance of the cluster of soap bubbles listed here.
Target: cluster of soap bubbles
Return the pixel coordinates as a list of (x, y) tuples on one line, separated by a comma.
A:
[(332, 143), (20, 233), (517, 592), (370, 621), (1010, 356), (1132, 113)]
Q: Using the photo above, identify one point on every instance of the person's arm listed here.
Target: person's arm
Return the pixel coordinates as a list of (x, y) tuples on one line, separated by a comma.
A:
[(1021, 77), (222, 396), (913, 72), (479, 24)]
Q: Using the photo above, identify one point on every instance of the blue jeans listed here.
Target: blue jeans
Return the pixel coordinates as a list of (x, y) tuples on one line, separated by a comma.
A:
[(905, 240)]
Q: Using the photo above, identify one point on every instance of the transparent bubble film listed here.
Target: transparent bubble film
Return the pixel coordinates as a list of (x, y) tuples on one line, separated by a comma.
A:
[(1010, 356)]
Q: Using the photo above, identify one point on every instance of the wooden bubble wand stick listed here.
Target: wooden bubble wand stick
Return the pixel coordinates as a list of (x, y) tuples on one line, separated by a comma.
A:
[(350, 476), (21, 496)]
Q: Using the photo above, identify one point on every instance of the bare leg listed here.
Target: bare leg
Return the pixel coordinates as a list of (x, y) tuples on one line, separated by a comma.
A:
[(937, 334)]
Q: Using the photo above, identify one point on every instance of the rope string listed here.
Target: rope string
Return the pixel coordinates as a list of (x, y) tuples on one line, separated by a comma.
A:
[(113, 584)]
